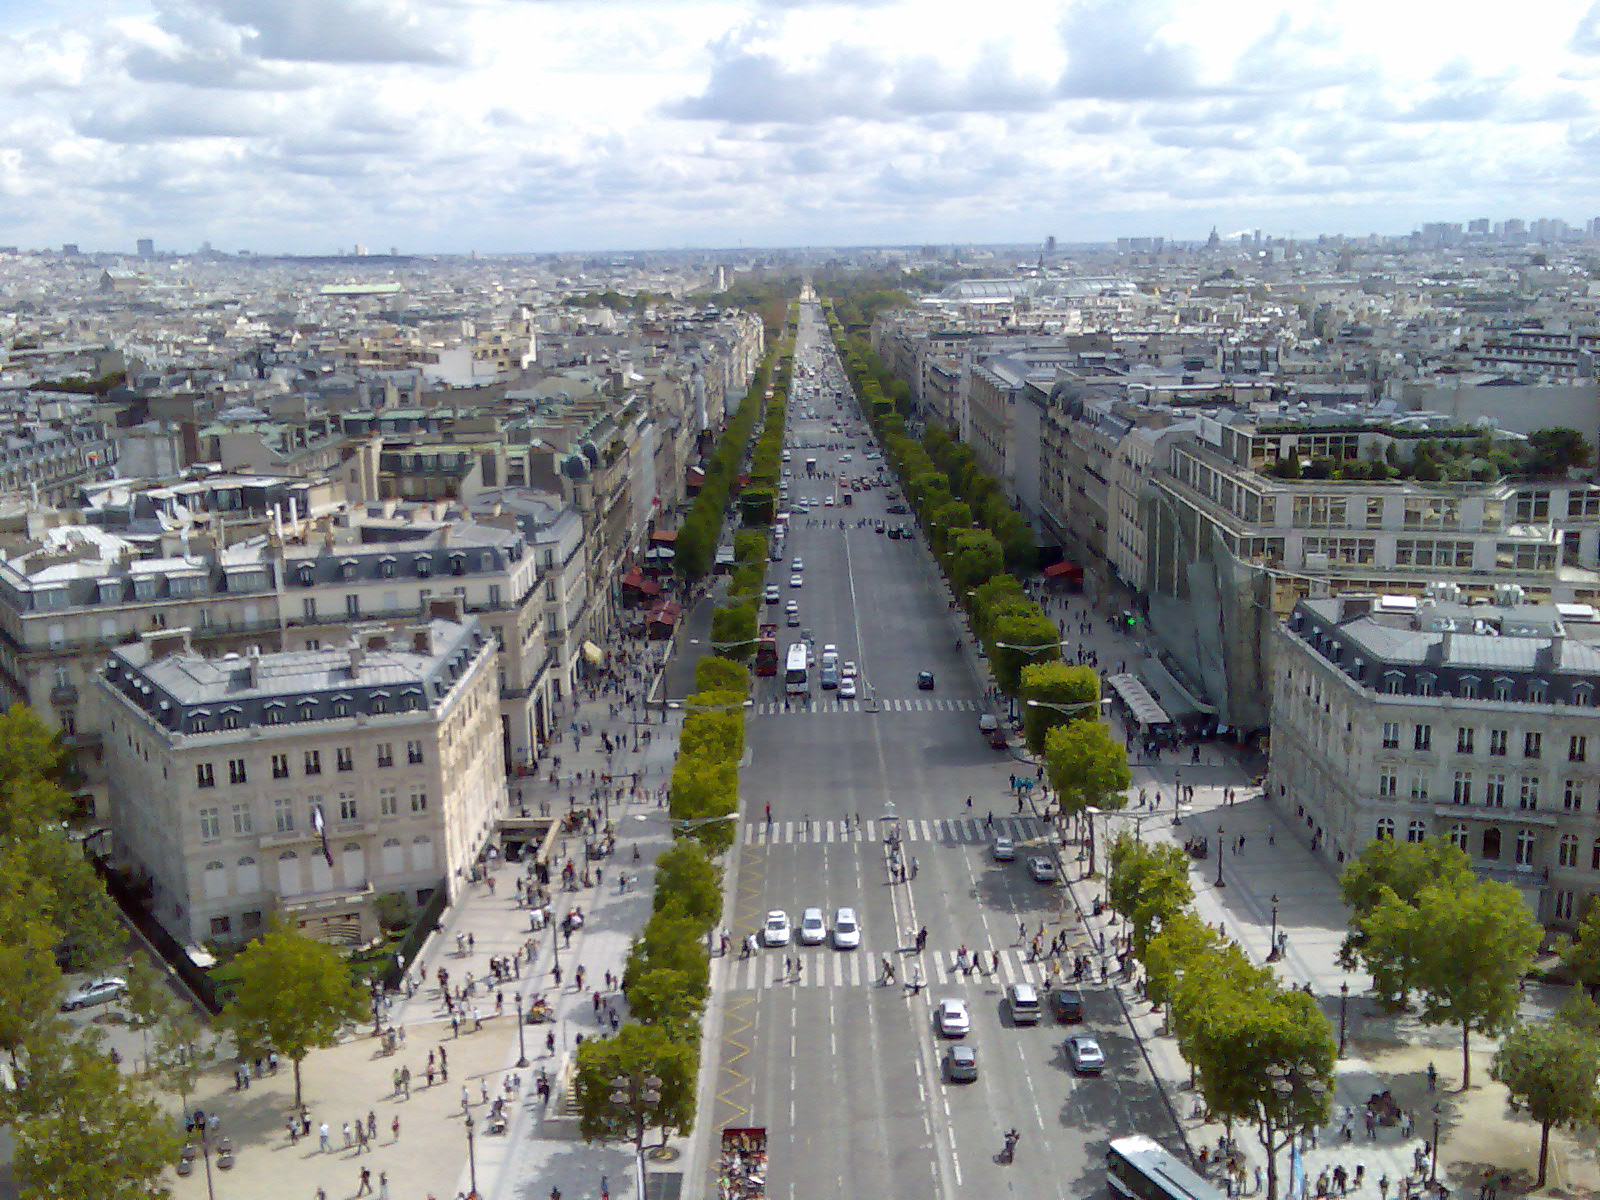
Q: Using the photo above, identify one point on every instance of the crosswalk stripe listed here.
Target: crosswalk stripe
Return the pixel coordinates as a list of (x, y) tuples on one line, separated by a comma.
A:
[(968, 831), (825, 967), (829, 706)]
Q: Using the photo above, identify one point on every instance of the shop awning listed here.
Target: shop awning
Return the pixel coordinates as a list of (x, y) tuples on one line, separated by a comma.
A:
[(1064, 570), (1141, 704), (664, 536), (1175, 698), (661, 616), (592, 654)]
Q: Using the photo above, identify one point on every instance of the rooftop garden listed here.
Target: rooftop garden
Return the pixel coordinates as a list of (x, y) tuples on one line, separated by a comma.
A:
[(1479, 458)]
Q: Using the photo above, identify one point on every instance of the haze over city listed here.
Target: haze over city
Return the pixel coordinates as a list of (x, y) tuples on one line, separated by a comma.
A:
[(445, 126)]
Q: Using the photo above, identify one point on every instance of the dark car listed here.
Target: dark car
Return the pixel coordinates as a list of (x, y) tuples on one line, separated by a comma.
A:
[(1066, 1006), (898, 510), (895, 533), (925, 681)]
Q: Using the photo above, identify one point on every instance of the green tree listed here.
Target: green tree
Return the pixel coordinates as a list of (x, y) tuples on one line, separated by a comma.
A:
[(688, 880), (1475, 942), (294, 996), (1399, 870), (714, 674), (149, 1001), (1030, 629), (1184, 942), (619, 1066), (1088, 768), (1264, 1055), (713, 734), (733, 631), (89, 1133), (1149, 886), (1554, 451), (672, 942), (975, 556), (1061, 686), (183, 1049), (1550, 1068), (663, 996)]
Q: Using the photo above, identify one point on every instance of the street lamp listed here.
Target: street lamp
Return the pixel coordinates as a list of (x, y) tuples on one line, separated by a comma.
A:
[(1272, 950), (1344, 997), (1138, 819), (1433, 1159), (472, 1156), (636, 1097), (1219, 856), (522, 1052)]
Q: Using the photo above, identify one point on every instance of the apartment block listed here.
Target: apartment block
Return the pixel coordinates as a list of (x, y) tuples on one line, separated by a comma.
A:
[(305, 784)]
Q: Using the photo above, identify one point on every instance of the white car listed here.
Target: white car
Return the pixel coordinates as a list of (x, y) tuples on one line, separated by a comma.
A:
[(776, 930), (953, 1019), (848, 670), (846, 929), (798, 565), (829, 648), (797, 580), (772, 593), (813, 930), (828, 502), (792, 607), (847, 688)]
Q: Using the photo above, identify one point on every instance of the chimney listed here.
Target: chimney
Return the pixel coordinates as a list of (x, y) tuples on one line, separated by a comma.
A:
[(254, 663), (422, 640), (163, 642), (445, 608), (357, 657)]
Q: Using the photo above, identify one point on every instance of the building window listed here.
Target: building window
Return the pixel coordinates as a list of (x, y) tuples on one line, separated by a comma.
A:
[(1388, 782), (230, 720), (344, 758), (204, 775), (1494, 791), (1393, 682), (386, 754), (1577, 748), (221, 926), (1425, 684), (388, 802), (1416, 831), (1419, 787), (1572, 795), (1536, 693), (1468, 689), (308, 608), (280, 766), (1532, 744), (1497, 743), (1391, 735), (1582, 695), (347, 807), (241, 819), (1461, 788), (1567, 850), (413, 752), (419, 802), (352, 605), (236, 771), (1527, 846), (313, 762), (1458, 836), (283, 815), (1422, 737), (1385, 829), (1465, 737), (1491, 844), (341, 708), (1528, 795), (1562, 905), (210, 824), (274, 716)]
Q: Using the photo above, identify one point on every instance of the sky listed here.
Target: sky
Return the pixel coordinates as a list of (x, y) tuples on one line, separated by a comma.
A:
[(447, 126)]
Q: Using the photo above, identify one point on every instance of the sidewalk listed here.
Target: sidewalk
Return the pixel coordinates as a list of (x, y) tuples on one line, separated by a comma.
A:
[(427, 1153)]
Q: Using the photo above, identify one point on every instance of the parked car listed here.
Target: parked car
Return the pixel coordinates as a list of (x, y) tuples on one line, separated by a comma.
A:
[(1042, 869), (1003, 849), (92, 992)]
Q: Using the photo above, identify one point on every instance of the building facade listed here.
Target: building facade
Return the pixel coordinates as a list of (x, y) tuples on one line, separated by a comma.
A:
[(1421, 717), (305, 783)]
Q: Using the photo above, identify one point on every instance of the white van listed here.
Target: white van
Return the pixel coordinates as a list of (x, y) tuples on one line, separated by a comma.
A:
[(1023, 1000)]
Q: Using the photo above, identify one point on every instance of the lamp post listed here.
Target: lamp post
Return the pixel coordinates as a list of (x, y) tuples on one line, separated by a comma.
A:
[(636, 1097), (1219, 856), (472, 1156), (1287, 1079), (1344, 997), (1433, 1157), (1272, 950), (199, 1128), (522, 1051)]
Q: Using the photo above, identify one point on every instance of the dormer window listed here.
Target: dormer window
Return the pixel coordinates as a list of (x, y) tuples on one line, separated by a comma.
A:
[(386, 568), (1538, 689), (1583, 695), (347, 569), (424, 567), (1393, 682), (305, 574), (1469, 687), (1425, 684), (458, 564)]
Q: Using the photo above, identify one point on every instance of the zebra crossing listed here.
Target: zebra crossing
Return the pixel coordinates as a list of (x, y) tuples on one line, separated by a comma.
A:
[(966, 831), (825, 967), (775, 708)]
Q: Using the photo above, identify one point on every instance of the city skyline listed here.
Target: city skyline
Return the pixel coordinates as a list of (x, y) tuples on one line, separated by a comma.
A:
[(449, 126)]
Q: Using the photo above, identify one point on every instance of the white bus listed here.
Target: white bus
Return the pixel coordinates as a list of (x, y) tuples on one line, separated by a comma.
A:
[(1137, 1168), (795, 679)]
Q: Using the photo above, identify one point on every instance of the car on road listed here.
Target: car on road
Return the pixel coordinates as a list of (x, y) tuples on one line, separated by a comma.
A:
[(847, 688), (846, 929), (898, 510), (813, 930), (829, 650), (1085, 1054), (92, 992), (1066, 1005), (794, 619), (827, 502), (953, 1018), (1003, 849), (961, 1063), (894, 533), (1022, 999), (792, 608), (848, 670), (776, 930), (829, 675), (1042, 869), (798, 565), (797, 580), (772, 593), (925, 681)]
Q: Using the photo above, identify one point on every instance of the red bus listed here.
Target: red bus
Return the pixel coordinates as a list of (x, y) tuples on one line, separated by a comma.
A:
[(767, 651)]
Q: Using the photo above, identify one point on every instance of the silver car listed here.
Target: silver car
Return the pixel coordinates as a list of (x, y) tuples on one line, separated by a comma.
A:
[(92, 992)]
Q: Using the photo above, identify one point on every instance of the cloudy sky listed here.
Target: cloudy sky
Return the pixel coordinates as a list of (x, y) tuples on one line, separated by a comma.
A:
[(535, 125)]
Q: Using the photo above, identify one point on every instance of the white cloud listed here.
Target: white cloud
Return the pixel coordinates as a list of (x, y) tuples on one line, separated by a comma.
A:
[(537, 124)]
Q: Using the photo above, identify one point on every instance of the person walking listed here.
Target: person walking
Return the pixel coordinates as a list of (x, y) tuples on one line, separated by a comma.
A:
[(322, 1133), (366, 1182)]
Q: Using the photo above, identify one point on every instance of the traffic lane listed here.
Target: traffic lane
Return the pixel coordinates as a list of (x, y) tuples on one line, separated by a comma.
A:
[(812, 764)]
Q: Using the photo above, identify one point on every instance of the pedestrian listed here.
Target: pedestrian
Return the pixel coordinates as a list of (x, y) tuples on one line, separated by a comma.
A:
[(394, 1127), (1383, 1186), (322, 1132), (550, 1042), (366, 1182), (372, 1125), (383, 1185), (466, 1099), (347, 1139)]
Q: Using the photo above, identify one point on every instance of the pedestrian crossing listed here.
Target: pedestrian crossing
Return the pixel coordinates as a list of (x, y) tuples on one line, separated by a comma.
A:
[(825, 967), (777, 708), (965, 831)]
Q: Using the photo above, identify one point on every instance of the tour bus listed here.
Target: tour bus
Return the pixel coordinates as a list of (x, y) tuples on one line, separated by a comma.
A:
[(795, 680), (1137, 1168)]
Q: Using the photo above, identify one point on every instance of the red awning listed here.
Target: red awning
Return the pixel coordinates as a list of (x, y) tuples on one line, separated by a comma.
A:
[(648, 586), (664, 536), (633, 578), (1063, 569), (660, 616)]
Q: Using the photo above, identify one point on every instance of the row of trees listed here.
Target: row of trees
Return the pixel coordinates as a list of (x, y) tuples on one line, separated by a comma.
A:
[(1259, 1053)]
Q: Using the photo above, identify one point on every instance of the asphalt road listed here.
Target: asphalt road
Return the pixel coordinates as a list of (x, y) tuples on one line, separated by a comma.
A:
[(844, 1070)]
